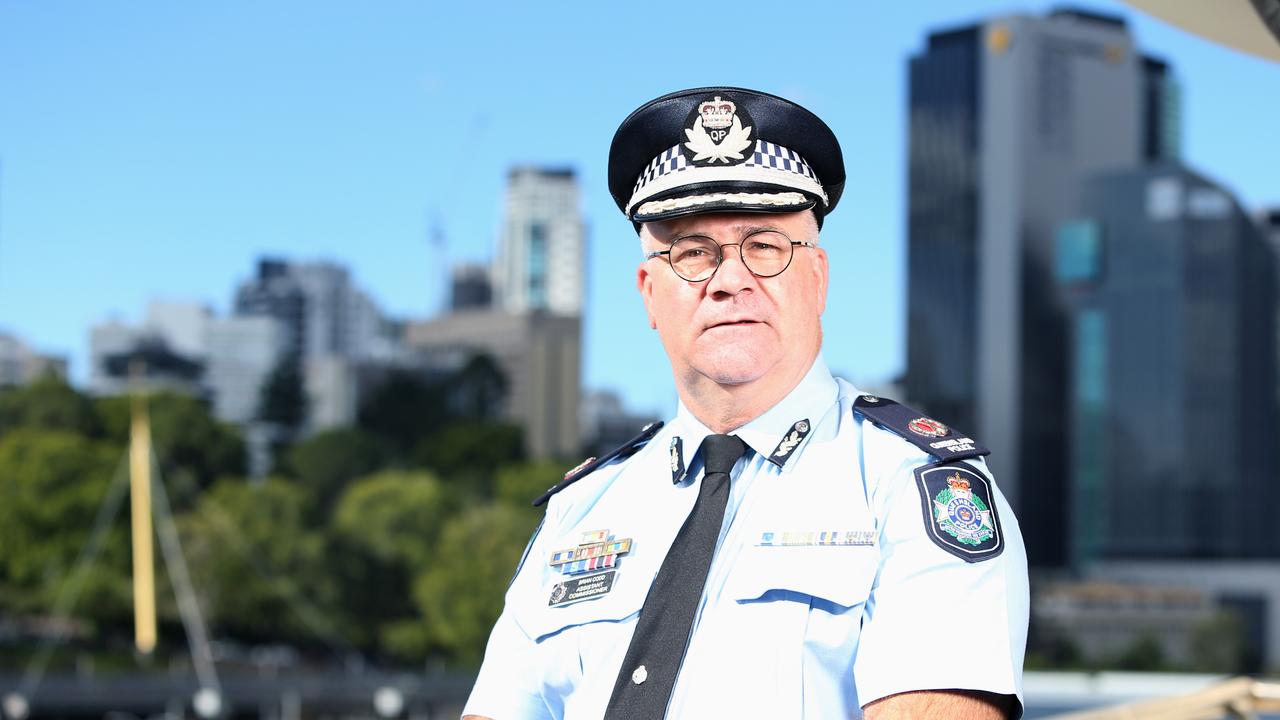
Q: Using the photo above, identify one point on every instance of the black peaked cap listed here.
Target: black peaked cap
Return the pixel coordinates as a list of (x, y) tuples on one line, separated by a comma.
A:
[(772, 131)]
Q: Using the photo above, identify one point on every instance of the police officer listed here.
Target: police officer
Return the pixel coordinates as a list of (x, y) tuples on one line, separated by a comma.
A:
[(787, 546)]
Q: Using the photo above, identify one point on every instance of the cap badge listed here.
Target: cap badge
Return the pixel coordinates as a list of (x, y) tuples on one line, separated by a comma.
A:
[(718, 132)]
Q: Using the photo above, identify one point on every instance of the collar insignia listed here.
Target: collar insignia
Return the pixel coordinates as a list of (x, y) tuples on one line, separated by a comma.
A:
[(677, 459), (789, 442)]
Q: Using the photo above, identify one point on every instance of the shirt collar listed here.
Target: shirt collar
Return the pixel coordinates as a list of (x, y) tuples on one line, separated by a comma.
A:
[(775, 435)]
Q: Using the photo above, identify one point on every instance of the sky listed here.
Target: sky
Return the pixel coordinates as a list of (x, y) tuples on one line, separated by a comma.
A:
[(156, 150)]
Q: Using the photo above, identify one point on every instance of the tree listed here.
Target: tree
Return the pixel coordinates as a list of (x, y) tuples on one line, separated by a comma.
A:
[(460, 595), (1145, 653), (52, 484), (519, 484), (327, 462), (49, 403), (260, 572), (1218, 645), (193, 448), (469, 452), (402, 410), (476, 391), (385, 533), (283, 400)]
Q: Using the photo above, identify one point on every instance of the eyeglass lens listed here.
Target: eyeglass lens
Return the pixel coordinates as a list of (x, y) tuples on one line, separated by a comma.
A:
[(765, 253)]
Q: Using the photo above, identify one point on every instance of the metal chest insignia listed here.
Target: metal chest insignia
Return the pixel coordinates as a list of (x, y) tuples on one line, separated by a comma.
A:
[(959, 511), (597, 551)]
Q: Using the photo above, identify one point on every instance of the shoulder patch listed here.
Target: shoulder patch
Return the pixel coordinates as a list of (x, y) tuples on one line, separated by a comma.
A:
[(920, 430), (621, 452), (960, 511)]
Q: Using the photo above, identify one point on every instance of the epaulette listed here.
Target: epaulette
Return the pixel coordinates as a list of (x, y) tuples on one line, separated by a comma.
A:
[(622, 452), (920, 430)]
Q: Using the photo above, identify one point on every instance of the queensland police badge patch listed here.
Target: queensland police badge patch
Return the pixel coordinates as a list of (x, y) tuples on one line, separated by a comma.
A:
[(959, 511)]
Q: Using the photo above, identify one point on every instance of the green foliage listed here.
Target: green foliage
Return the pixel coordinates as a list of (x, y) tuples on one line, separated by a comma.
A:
[(402, 410), (460, 595), (261, 573), (283, 399), (384, 532), (518, 485), (477, 390), (192, 447), (1145, 654), (52, 484), (1218, 645), (470, 452), (47, 404), (326, 463)]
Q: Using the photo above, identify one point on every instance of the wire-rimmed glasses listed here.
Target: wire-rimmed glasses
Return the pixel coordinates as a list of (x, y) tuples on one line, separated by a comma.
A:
[(695, 258)]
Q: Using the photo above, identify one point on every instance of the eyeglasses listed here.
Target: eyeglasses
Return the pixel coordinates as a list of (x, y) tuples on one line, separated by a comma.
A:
[(695, 258)]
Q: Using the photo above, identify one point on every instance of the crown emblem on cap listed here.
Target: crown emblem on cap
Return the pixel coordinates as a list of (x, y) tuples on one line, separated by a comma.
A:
[(717, 114)]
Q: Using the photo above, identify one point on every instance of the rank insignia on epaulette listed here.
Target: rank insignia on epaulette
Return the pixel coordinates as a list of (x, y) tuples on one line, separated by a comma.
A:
[(960, 513), (798, 432), (924, 432)]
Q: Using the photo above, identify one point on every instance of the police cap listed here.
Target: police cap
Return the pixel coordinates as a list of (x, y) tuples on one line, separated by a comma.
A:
[(723, 149)]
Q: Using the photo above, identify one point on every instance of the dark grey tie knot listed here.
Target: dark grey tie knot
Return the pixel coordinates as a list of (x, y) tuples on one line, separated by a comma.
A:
[(720, 452)]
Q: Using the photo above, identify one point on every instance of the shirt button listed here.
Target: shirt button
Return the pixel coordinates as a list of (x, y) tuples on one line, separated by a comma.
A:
[(640, 675)]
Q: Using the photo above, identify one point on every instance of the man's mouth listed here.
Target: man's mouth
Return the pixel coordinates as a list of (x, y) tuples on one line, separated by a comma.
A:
[(734, 323)]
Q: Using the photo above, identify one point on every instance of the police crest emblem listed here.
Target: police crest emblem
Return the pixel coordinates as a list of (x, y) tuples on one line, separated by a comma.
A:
[(719, 132), (959, 511)]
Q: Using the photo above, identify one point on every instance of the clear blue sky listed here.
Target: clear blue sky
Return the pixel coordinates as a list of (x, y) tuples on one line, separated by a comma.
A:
[(156, 149)]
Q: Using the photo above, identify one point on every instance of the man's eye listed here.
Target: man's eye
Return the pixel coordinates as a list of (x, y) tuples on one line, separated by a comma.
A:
[(693, 253), (765, 248)]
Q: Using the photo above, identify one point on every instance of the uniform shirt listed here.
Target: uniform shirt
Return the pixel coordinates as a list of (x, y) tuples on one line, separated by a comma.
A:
[(788, 626)]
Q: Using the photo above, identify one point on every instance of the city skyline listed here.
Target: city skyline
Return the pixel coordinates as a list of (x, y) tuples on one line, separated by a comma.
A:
[(155, 153)]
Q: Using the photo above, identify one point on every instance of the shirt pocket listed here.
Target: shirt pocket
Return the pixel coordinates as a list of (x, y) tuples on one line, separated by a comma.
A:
[(541, 620), (840, 576)]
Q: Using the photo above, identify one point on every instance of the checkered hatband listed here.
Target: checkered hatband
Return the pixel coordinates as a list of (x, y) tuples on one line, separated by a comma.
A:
[(770, 164)]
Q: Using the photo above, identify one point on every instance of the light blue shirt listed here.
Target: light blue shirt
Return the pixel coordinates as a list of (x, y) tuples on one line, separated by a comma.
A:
[(789, 625)]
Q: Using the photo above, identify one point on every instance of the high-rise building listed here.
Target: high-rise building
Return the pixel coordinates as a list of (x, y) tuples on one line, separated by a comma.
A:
[(1172, 390), (184, 325), (275, 293), (541, 260), (20, 364), (538, 352), (470, 287), (330, 325), (323, 311), (242, 353), (1006, 118)]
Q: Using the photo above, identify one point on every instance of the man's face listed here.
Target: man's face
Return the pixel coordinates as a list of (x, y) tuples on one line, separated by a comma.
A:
[(737, 328)]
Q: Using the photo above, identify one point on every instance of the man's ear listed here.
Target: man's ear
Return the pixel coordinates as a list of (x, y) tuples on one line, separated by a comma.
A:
[(644, 283), (820, 271)]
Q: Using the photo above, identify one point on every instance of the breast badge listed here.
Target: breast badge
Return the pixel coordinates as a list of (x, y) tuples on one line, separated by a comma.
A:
[(598, 550)]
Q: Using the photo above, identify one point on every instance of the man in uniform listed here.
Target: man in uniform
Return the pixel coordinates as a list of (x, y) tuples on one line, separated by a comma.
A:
[(787, 546)]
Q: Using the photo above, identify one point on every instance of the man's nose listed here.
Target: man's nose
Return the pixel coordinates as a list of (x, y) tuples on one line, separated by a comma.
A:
[(733, 275)]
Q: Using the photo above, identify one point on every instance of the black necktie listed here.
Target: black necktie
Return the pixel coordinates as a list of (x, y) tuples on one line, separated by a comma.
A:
[(657, 648)]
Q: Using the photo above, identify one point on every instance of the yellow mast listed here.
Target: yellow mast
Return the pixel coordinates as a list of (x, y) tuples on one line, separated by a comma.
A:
[(144, 569)]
